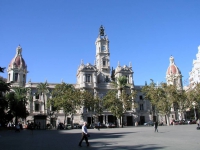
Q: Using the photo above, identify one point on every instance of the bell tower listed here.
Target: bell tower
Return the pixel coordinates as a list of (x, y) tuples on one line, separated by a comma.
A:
[(17, 69), (102, 53)]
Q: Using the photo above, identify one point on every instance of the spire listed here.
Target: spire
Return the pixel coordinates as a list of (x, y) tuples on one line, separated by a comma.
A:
[(118, 64), (81, 61), (130, 65), (18, 50), (171, 60)]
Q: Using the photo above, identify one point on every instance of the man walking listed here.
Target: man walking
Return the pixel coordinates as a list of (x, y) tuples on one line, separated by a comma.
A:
[(99, 126), (156, 126), (84, 135)]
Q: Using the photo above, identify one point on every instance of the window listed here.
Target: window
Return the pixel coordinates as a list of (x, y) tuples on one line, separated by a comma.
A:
[(107, 79), (9, 77), (104, 63), (16, 76), (37, 96), (24, 78), (141, 107), (37, 107), (153, 108), (53, 108), (88, 78), (141, 98), (127, 77), (103, 48)]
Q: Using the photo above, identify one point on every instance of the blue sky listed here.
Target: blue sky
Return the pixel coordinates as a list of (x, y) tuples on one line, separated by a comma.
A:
[(56, 35)]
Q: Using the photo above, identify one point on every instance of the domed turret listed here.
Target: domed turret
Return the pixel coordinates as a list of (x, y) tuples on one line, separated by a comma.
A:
[(17, 69), (173, 74), (172, 69)]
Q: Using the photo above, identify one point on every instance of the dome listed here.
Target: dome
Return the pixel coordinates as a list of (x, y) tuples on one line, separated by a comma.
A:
[(172, 69), (18, 61)]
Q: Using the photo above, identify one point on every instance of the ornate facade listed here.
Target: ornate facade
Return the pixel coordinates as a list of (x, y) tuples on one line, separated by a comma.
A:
[(95, 78), (174, 77), (194, 75)]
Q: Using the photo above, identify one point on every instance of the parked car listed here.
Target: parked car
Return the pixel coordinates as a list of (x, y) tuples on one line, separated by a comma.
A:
[(103, 125), (68, 126), (80, 126), (76, 125), (149, 123), (110, 125), (192, 122), (60, 126)]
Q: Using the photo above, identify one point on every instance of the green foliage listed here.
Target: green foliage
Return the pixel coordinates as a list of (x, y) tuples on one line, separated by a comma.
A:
[(43, 89), (113, 103), (162, 97), (17, 101), (66, 97), (128, 100), (120, 83), (193, 96)]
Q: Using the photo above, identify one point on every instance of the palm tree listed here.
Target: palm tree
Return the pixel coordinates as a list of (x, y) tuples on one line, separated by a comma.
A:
[(17, 102), (43, 89), (121, 84)]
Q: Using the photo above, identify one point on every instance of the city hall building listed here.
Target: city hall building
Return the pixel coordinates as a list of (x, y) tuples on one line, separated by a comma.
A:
[(95, 78)]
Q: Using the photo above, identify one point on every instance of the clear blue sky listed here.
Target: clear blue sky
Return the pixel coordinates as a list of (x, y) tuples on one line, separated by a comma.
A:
[(56, 35)]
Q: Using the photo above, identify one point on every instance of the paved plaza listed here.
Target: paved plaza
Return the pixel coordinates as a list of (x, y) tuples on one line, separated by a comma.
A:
[(179, 137)]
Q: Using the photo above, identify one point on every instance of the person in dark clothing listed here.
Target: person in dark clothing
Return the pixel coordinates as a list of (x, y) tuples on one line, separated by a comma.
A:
[(85, 135), (99, 126), (156, 126)]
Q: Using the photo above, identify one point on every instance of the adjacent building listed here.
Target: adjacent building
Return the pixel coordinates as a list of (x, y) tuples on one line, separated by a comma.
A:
[(194, 74)]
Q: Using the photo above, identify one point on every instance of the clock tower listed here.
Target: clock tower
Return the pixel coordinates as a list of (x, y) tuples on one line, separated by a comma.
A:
[(103, 55)]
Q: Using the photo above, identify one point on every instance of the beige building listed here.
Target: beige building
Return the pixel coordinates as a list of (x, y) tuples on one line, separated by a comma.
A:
[(95, 78)]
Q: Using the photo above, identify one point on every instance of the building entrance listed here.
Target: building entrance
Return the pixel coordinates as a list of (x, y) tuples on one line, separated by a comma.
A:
[(129, 121), (142, 120)]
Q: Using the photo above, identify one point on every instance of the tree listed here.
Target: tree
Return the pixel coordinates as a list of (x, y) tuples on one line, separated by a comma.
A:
[(43, 90), (113, 104), (17, 101), (163, 97), (4, 88), (98, 107), (193, 97), (67, 98), (127, 100)]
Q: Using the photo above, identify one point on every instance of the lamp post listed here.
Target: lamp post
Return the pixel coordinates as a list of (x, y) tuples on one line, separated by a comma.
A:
[(194, 104)]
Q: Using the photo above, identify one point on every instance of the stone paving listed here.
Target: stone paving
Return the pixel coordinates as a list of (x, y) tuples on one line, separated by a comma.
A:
[(179, 137)]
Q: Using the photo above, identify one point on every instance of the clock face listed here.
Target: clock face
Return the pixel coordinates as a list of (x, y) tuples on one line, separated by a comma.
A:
[(103, 48)]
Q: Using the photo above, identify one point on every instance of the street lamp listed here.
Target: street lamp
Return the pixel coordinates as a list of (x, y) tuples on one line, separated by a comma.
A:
[(194, 104)]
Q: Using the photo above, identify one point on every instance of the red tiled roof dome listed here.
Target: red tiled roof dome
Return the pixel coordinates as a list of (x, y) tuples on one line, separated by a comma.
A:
[(18, 61), (172, 69)]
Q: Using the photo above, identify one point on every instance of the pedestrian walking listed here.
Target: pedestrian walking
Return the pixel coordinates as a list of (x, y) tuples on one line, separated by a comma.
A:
[(99, 126), (156, 126), (85, 135), (198, 122)]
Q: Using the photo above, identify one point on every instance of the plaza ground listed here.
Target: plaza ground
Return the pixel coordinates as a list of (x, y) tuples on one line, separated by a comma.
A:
[(179, 137)]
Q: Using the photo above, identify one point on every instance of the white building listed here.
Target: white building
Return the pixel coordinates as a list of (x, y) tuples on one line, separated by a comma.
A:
[(174, 77), (95, 78), (194, 75)]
